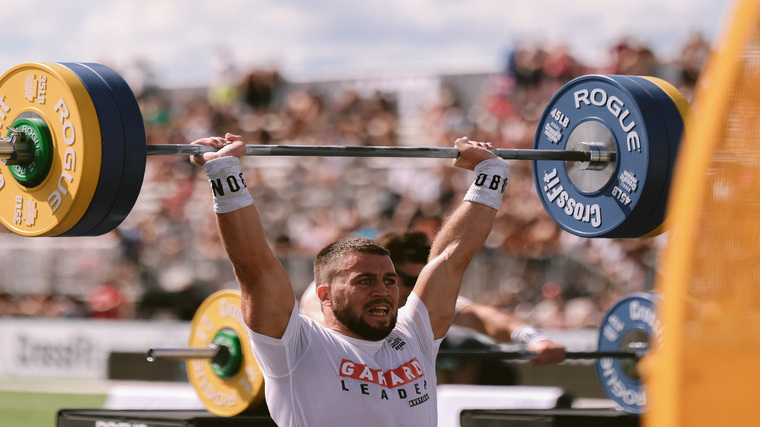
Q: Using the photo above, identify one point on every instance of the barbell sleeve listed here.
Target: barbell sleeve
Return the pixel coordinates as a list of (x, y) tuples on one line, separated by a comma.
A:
[(382, 151), (7, 148), (185, 353)]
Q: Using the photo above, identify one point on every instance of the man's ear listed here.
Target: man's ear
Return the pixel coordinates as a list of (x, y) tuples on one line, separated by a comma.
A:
[(324, 295)]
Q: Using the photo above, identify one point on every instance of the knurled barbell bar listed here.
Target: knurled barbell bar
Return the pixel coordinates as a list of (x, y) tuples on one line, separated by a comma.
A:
[(222, 369), (592, 156), (603, 152)]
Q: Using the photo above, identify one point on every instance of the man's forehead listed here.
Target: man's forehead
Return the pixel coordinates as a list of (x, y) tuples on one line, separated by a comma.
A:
[(357, 262)]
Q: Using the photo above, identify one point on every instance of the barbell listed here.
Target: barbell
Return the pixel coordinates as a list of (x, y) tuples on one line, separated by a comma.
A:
[(224, 373), (603, 152)]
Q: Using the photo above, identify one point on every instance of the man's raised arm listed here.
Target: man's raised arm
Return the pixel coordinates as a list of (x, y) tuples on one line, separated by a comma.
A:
[(267, 296), (463, 234)]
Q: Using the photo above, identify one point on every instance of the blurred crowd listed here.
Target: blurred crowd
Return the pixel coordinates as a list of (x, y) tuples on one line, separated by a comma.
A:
[(166, 257)]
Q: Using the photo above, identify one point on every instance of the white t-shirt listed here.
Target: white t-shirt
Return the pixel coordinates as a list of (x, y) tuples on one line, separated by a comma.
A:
[(317, 377)]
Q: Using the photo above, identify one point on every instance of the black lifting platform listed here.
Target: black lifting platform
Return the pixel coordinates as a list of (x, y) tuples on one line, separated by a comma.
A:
[(547, 418), (156, 418)]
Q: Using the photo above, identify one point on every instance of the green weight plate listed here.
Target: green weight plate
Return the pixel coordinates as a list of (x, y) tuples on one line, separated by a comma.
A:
[(228, 338), (33, 173)]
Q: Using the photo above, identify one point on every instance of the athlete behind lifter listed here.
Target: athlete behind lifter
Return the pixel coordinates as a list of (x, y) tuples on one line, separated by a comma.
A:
[(409, 251)]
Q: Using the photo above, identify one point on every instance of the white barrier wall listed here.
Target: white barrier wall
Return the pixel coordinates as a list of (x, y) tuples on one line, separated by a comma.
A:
[(78, 348)]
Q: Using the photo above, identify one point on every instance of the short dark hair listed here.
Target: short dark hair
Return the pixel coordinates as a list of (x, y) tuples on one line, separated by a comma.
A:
[(406, 246), (326, 262)]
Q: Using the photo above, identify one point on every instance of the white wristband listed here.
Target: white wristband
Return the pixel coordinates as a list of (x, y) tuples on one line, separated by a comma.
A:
[(527, 335), (227, 183), (491, 176)]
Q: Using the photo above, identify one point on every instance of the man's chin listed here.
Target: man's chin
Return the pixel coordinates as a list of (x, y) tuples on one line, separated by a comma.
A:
[(371, 329), (376, 331), (376, 323)]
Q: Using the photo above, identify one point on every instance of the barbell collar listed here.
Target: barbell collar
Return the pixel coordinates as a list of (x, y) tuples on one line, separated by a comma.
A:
[(598, 156), (16, 148), (382, 151)]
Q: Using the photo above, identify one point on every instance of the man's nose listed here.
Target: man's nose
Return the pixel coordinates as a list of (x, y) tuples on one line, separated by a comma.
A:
[(380, 288)]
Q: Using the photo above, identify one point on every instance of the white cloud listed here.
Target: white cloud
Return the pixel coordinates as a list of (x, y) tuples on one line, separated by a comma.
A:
[(180, 37)]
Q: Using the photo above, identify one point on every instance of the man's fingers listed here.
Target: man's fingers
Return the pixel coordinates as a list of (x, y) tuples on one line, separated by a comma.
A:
[(229, 145)]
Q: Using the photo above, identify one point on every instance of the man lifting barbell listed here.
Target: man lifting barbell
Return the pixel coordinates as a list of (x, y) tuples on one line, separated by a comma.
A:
[(370, 361), (603, 155)]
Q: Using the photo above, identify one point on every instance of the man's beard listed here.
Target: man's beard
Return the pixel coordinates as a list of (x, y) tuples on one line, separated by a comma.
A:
[(356, 324)]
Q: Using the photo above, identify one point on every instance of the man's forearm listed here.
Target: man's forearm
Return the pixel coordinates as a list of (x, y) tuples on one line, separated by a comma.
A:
[(267, 297), (488, 320), (463, 234)]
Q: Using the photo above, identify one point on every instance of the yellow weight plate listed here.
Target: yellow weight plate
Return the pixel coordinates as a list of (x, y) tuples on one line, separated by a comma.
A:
[(682, 104), (240, 392), (686, 112), (57, 96)]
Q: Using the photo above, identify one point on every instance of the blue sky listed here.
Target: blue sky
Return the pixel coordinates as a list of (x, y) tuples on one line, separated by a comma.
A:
[(180, 39)]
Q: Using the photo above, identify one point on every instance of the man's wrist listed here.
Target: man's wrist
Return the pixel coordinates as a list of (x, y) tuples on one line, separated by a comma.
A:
[(491, 176), (229, 188), (528, 335)]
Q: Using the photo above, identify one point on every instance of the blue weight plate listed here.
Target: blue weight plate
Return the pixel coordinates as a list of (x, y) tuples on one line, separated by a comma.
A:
[(674, 126), (651, 208), (632, 318), (619, 204), (112, 163), (134, 147)]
